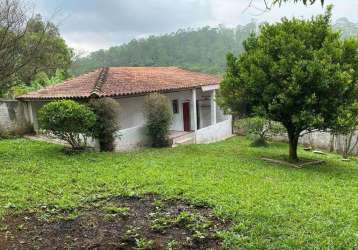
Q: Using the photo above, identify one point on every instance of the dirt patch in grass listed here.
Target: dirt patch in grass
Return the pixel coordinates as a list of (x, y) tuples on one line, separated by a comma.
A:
[(147, 222), (299, 164)]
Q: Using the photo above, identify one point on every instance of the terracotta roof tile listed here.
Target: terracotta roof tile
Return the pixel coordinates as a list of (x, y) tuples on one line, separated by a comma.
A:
[(120, 81)]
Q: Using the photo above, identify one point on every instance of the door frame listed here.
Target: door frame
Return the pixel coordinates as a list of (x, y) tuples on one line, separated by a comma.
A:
[(186, 116)]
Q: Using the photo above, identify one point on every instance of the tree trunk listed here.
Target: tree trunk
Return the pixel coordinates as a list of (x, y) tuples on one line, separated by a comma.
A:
[(293, 142)]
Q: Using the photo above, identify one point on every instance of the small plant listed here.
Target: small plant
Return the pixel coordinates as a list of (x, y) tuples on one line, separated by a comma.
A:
[(107, 124), (159, 117), (131, 234), (171, 245), (259, 130), (184, 218), (158, 204), (69, 121), (160, 222), (120, 211), (143, 244), (196, 223)]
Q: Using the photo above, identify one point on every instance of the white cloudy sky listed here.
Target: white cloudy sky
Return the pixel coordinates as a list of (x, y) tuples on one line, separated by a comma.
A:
[(88, 25)]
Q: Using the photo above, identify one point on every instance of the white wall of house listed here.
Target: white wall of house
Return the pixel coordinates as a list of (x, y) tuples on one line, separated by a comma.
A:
[(131, 113), (131, 138), (216, 132), (132, 119)]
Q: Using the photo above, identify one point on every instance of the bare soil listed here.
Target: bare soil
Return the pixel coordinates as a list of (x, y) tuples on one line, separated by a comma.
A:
[(147, 222)]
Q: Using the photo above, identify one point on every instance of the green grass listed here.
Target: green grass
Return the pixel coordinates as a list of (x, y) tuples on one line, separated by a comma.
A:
[(273, 206)]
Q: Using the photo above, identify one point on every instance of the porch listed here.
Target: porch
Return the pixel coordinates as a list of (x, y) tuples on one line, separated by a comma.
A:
[(196, 119)]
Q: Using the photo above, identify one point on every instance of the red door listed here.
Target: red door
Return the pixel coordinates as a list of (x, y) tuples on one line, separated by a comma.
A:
[(186, 116)]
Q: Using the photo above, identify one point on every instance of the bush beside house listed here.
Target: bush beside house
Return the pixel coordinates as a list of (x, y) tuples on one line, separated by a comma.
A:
[(106, 123), (69, 121), (159, 118)]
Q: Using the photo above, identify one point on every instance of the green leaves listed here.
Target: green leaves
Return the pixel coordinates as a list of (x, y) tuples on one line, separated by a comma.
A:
[(159, 118), (295, 72), (305, 2), (68, 120)]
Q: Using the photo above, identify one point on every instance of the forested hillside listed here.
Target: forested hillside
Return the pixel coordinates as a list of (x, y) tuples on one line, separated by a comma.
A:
[(201, 50)]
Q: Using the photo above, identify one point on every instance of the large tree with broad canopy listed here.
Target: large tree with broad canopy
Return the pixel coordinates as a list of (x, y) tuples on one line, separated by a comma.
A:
[(291, 72)]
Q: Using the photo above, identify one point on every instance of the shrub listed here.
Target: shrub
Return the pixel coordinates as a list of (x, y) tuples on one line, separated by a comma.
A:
[(159, 117), (259, 129), (69, 121), (107, 124)]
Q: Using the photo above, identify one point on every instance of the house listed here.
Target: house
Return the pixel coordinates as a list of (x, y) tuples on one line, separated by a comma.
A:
[(196, 117)]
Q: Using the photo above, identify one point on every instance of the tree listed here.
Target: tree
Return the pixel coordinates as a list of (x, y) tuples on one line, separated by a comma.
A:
[(69, 121), (347, 121), (28, 45), (201, 49), (52, 55), (305, 2), (290, 73), (259, 129), (271, 3), (106, 110), (159, 117)]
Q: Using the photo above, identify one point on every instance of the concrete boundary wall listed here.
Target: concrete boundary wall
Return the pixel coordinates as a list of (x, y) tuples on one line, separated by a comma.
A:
[(14, 115), (217, 132), (323, 140)]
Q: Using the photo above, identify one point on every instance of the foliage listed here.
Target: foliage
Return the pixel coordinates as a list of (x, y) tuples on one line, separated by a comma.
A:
[(203, 49), (347, 122), (290, 73), (107, 124), (29, 45), (260, 129), (263, 200), (53, 55), (41, 80), (305, 2), (68, 120), (199, 50), (159, 118)]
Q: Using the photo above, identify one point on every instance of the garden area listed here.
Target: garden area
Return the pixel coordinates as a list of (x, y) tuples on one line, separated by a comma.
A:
[(234, 199)]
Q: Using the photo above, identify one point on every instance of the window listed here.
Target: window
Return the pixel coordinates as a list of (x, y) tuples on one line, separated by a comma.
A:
[(175, 107)]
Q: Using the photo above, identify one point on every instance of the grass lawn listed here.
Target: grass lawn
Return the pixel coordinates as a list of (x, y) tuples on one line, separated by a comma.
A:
[(272, 206)]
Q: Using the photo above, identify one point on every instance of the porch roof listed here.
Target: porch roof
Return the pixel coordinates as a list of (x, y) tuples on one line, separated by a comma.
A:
[(124, 81)]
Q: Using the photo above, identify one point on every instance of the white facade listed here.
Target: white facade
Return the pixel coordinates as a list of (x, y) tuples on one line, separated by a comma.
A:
[(207, 122)]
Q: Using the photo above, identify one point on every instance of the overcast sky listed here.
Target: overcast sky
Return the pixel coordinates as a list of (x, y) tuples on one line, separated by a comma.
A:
[(89, 25)]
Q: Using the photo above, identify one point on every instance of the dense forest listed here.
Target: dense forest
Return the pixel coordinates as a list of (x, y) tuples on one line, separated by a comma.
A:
[(201, 49)]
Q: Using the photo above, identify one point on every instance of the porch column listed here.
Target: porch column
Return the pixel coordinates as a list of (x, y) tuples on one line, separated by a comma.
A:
[(195, 115), (213, 107)]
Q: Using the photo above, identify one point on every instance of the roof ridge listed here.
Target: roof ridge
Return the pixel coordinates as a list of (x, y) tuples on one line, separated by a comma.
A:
[(102, 77)]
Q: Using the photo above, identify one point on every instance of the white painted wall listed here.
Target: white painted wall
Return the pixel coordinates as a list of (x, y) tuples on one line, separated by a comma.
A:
[(132, 120), (131, 139), (321, 140), (217, 132), (182, 97), (131, 113)]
